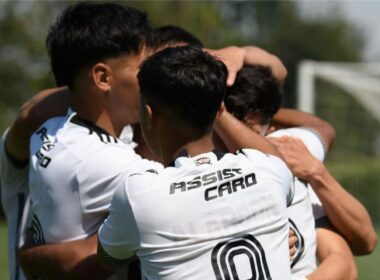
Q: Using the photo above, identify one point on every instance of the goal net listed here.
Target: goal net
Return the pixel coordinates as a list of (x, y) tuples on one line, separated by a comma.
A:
[(347, 95)]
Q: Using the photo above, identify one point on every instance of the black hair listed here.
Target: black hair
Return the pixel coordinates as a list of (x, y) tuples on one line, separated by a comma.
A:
[(169, 35), (255, 91), (87, 32), (187, 81)]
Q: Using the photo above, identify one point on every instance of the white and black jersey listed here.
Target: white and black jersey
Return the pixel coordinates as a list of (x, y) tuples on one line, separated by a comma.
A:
[(75, 168), (301, 209), (213, 216), (14, 195)]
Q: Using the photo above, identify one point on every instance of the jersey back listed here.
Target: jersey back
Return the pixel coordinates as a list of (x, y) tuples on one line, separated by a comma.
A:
[(207, 217)]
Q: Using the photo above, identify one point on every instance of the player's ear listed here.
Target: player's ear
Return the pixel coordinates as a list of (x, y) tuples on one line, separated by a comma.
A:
[(101, 75), (149, 116)]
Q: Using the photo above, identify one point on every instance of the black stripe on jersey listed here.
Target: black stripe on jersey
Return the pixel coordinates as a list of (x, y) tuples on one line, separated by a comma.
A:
[(300, 243), (182, 153), (103, 135), (38, 234), (218, 154), (20, 211)]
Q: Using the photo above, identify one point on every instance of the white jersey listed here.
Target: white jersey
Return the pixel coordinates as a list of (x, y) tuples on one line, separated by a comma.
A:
[(75, 168), (212, 216), (301, 210), (14, 195)]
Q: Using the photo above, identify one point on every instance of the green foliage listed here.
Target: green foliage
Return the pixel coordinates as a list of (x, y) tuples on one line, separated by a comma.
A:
[(277, 26), (3, 251), (368, 266), (357, 130), (361, 177), (201, 18), (25, 69)]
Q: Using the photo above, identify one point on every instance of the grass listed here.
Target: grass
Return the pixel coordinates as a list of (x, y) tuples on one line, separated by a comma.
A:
[(3, 251), (369, 266)]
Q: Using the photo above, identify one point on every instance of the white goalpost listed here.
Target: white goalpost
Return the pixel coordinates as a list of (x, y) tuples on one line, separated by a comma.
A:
[(361, 81)]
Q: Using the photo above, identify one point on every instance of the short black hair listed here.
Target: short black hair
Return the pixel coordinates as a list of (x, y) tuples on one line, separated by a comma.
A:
[(187, 81), (255, 91), (169, 35), (87, 32)]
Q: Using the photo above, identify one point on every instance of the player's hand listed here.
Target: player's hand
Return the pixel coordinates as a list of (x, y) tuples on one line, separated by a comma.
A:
[(292, 244), (298, 158), (233, 57)]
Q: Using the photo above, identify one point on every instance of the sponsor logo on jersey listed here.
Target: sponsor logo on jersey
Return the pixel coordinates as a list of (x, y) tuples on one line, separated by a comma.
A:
[(237, 182), (47, 144), (202, 160)]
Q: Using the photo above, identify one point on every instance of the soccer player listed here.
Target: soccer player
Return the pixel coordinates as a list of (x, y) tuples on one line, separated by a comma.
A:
[(14, 156), (77, 161), (343, 211), (206, 215), (254, 99)]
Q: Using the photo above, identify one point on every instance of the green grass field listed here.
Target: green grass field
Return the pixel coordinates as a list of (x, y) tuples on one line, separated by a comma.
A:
[(369, 266)]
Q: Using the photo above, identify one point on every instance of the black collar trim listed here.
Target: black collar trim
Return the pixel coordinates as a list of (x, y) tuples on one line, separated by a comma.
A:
[(103, 135), (184, 153)]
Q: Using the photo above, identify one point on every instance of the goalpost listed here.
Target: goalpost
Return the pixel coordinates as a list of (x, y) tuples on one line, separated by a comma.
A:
[(359, 82), (347, 95)]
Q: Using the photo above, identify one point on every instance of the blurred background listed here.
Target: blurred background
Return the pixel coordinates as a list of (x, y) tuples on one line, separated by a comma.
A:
[(335, 34)]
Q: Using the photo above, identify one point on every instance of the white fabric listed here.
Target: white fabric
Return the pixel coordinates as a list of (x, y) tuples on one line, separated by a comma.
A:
[(74, 171), (318, 211), (174, 220), (126, 136), (301, 211), (14, 194)]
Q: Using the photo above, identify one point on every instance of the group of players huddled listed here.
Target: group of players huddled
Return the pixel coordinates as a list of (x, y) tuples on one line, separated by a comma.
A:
[(157, 158)]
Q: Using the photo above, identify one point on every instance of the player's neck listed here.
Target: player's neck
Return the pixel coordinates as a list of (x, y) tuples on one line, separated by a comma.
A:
[(193, 148), (93, 111)]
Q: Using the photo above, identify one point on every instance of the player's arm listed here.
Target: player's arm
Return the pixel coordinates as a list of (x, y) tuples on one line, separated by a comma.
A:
[(335, 257), (236, 57), (34, 112), (119, 237), (71, 260), (345, 212), (236, 135), (286, 118)]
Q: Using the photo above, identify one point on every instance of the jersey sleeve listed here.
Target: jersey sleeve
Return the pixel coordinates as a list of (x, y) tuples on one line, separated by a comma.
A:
[(286, 177), (101, 174), (8, 163), (119, 235), (319, 214), (311, 138), (14, 178)]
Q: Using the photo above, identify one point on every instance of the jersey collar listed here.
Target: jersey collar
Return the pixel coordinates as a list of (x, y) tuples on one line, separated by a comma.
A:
[(93, 128), (205, 158)]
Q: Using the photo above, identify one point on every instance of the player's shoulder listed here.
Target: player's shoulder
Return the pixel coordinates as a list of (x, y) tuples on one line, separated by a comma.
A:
[(256, 156), (87, 141), (147, 174), (310, 137)]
